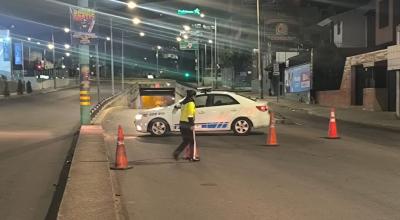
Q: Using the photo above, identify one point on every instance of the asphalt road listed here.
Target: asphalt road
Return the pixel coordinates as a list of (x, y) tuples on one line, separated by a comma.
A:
[(36, 134), (306, 177)]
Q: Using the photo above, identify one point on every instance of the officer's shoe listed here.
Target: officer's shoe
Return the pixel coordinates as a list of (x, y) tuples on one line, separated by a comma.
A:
[(176, 156), (196, 159)]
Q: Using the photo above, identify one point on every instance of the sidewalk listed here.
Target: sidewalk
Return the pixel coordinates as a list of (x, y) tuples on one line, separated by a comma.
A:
[(386, 120)]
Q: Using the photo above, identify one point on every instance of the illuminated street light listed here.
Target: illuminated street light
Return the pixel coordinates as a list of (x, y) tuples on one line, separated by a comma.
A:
[(179, 39), (202, 15), (63, 66), (159, 47), (67, 46), (131, 5), (66, 30), (29, 39), (38, 43), (142, 34), (185, 37), (108, 38), (186, 27), (67, 54), (210, 41), (50, 46), (136, 21)]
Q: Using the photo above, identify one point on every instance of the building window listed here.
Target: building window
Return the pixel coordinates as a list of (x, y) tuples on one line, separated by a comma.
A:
[(339, 28), (383, 13)]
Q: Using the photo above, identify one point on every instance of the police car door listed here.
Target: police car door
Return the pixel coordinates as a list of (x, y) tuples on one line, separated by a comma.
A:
[(223, 110), (202, 109)]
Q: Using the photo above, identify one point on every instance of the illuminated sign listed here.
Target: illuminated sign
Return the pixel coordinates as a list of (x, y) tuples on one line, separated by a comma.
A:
[(189, 12)]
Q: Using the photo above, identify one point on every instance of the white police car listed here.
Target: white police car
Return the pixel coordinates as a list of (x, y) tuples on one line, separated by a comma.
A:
[(215, 111)]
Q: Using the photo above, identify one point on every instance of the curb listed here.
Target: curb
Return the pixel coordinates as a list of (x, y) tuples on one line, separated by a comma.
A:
[(310, 112), (89, 192)]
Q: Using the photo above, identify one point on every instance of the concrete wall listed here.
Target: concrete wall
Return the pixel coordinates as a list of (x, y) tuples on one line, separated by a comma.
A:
[(353, 31), (385, 35), (375, 99), (344, 96)]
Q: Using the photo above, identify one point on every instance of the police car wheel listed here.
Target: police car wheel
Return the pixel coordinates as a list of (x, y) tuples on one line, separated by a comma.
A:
[(158, 127), (241, 126)]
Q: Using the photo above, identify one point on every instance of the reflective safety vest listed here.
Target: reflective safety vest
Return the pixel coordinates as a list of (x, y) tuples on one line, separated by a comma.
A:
[(188, 110)]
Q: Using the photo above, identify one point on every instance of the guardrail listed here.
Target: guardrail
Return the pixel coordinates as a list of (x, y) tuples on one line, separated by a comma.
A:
[(97, 108)]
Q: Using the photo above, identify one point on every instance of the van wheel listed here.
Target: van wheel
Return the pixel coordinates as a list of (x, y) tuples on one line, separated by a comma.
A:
[(241, 126)]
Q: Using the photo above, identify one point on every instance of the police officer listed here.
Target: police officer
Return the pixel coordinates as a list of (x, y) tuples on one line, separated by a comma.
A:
[(186, 124)]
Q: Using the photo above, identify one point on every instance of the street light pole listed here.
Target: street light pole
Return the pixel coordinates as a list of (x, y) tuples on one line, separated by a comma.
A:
[(260, 74), (122, 62), (105, 59), (205, 61), (112, 58), (215, 52), (98, 73), (54, 60)]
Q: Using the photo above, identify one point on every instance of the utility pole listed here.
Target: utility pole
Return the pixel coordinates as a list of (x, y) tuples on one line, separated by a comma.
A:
[(398, 77), (85, 72), (260, 73)]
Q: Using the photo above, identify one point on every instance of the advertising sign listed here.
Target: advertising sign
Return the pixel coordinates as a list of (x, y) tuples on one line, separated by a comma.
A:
[(298, 79), (5, 53), (18, 53), (82, 25)]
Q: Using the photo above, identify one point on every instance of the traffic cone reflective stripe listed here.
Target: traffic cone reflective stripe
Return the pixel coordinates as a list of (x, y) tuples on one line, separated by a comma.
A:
[(272, 138), (121, 160), (332, 132)]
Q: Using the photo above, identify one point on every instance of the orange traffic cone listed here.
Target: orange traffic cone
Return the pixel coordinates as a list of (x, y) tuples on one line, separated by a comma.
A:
[(272, 139), (332, 132), (121, 160)]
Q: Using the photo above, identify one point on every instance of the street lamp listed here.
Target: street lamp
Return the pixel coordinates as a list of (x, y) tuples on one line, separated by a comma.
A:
[(108, 38), (136, 21), (66, 30), (202, 15), (132, 5), (67, 54), (38, 43), (50, 46), (186, 27), (142, 34), (158, 48), (210, 41), (185, 36), (214, 65), (29, 39), (179, 39), (67, 46)]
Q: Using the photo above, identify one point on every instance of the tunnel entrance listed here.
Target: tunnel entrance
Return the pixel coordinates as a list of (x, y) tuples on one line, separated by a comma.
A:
[(156, 97)]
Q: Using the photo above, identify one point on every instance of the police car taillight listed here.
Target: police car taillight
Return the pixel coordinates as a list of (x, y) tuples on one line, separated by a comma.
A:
[(262, 108)]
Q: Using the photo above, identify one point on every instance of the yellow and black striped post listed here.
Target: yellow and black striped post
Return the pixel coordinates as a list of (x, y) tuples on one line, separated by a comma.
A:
[(84, 94)]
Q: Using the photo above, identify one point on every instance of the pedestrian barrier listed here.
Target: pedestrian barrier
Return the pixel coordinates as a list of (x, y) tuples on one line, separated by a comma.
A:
[(121, 160), (272, 138), (332, 132)]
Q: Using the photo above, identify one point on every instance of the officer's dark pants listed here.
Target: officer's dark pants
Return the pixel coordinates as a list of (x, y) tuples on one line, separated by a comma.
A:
[(187, 140)]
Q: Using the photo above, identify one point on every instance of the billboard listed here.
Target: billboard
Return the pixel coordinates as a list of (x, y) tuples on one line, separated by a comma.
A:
[(82, 25), (298, 79), (18, 54), (5, 53)]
